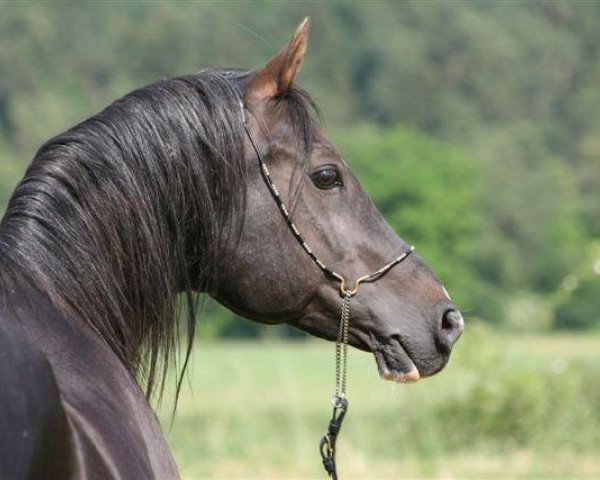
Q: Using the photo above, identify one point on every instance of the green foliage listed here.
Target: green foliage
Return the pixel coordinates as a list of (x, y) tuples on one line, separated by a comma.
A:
[(510, 401), (575, 305), (529, 312), (581, 310)]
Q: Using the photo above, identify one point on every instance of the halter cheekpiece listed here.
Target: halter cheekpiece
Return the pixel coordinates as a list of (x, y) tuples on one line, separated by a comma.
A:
[(339, 399)]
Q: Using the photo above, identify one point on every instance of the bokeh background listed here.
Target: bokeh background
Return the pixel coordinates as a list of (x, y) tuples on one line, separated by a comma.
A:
[(475, 126)]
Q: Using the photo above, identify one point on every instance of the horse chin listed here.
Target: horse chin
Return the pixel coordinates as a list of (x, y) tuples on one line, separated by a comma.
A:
[(395, 364)]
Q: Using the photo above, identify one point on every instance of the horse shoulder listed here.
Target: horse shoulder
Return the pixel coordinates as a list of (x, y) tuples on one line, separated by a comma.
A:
[(34, 431), (82, 401)]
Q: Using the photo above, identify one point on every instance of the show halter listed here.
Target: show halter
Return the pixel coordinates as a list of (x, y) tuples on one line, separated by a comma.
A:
[(327, 445)]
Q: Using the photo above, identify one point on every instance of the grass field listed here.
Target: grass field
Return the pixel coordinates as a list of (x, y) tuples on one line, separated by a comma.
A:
[(505, 407)]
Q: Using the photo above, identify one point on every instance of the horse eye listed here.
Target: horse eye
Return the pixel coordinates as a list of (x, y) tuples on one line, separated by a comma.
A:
[(327, 178)]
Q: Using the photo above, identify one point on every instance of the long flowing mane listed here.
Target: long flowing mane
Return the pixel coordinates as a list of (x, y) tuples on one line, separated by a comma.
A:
[(122, 212)]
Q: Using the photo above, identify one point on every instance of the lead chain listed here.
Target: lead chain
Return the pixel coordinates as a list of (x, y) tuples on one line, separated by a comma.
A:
[(341, 350), (339, 400)]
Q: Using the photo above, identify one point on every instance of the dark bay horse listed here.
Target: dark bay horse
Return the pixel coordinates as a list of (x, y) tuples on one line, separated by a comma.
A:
[(161, 194)]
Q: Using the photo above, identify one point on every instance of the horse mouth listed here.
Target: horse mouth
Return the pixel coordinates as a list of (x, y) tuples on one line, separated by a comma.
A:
[(394, 363)]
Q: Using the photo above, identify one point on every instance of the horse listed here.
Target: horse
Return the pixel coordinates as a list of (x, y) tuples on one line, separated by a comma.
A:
[(122, 221)]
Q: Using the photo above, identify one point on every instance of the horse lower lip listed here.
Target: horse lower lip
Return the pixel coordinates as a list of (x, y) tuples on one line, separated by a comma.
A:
[(396, 366), (400, 377)]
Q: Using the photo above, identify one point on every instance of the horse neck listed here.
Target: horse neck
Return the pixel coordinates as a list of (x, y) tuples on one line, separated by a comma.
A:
[(99, 256), (114, 214)]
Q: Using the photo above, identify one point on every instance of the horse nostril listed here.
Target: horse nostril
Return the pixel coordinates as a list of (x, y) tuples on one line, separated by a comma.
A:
[(451, 327)]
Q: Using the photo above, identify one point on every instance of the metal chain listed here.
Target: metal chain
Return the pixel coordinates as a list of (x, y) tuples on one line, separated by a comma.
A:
[(341, 350), (339, 400)]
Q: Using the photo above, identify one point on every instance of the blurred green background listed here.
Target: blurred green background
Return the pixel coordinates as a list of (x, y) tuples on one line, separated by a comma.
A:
[(475, 128)]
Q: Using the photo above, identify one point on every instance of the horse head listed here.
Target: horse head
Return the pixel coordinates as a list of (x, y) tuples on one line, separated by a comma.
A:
[(405, 317)]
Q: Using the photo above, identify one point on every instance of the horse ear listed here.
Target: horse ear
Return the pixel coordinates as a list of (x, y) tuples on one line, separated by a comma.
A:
[(278, 75)]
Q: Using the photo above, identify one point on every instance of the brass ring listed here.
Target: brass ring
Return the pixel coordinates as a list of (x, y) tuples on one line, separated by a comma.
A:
[(345, 292)]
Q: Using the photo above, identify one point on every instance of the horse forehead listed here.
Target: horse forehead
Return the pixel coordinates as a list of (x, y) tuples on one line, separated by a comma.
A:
[(283, 146), (324, 147)]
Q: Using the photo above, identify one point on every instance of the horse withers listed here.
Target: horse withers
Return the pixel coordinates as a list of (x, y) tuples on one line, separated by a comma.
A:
[(162, 194)]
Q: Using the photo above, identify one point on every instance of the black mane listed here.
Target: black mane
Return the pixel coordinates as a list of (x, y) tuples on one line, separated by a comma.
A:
[(122, 212)]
